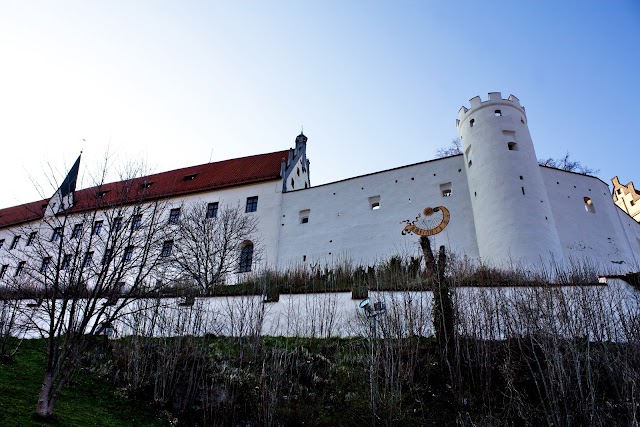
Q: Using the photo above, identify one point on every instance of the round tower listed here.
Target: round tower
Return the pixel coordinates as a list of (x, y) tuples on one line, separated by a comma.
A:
[(511, 209)]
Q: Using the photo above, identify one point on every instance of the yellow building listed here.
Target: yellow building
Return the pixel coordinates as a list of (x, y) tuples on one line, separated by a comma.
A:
[(627, 198)]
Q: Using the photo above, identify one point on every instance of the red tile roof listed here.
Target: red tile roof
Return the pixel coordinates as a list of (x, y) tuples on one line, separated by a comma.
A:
[(193, 179)]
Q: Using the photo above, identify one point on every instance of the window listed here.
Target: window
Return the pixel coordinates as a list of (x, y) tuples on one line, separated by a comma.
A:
[(174, 216), (147, 185), (128, 254), (374, 203), (304, 216), (252, 204), (57, 234), (66, 261), (512, 146), (1, 243), (246, 258), (106, 258), (88, 257), (97, 226), (14, 244), (293, 184), (3, 270), (619, 191), (445, 189), (166, 248), (46, 262), (212, 210), (470, 163), (136, 222), (498, 113), (472, 122), (20, 268), (588, 205), (33, 235), (117, 223), (77, 231), (298, 171), (190, 177)]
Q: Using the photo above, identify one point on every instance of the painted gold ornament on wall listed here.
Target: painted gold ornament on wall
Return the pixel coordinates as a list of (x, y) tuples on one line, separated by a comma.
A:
[(430, 222)]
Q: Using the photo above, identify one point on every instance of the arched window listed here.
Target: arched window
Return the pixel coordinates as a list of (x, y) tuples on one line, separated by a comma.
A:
[(246, 258)]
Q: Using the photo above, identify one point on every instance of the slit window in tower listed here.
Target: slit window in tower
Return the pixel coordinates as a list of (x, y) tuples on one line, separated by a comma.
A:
[(522, 190), (588, 205), (472, 122), (512, 146), (498, 113), (374, 203)]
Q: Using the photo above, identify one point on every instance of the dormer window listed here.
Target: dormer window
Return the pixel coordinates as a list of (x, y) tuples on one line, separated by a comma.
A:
[(190, 177), (146, 184), (101, 194)]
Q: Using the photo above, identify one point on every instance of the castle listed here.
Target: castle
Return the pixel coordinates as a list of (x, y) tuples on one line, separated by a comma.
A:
[(501, 207)]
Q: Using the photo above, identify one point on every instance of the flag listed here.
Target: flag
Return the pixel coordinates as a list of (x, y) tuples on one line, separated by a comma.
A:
[(63, 197)]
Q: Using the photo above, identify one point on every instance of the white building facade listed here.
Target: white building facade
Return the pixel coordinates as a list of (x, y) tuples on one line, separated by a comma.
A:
[(505, 209)]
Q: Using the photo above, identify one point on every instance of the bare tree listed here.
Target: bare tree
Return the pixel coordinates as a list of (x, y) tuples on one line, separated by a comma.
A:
[(453, 149), (85, 261), (214, 242), (566, 164)]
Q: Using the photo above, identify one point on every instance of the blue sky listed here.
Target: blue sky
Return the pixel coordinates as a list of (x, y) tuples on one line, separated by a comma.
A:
[(375, 84)]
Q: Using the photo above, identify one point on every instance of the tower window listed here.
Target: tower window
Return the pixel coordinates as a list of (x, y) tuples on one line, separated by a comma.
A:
[(498, 113), (293, 184), (512, 146), (445, 189), (374, 203), (588, 205), (304, 216), (522, 190), (522, 120), (472, 122), (470, 163)]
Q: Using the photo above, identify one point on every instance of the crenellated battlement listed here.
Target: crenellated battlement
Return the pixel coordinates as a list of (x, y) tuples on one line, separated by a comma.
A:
[(494, 98)]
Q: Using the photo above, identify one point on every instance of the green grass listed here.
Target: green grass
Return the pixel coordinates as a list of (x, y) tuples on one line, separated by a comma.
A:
[(86, 401)]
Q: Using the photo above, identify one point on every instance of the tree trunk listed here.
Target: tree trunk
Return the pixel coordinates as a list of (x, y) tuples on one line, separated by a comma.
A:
[(44, 408), (429, 260)]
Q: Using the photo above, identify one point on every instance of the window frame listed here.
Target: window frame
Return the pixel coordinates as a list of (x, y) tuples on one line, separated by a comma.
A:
[(167, 248), (212, 210), (252, 204), (245, 261), (174, 216)]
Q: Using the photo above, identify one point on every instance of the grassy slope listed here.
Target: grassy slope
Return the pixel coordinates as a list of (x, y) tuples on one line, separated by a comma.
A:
[(87, 401)]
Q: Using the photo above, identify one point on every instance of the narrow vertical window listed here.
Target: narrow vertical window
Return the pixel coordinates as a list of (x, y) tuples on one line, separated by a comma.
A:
[(46, 262), (33, 235), (77, 231), (57, 234), (128, 254), (20, 268), (472, 122), (174, 216), (117, 224), (66, 261), (246, 258), (3, 270), (136, 222), (97, 227), (14, 243), (88, 257), (106, 258), (1, 243), (588, 205), (167, 246), (212, 210)]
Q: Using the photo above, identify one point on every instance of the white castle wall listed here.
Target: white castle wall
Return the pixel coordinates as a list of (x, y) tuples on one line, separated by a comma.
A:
[(513, 218), (343, 224), (596, 233)]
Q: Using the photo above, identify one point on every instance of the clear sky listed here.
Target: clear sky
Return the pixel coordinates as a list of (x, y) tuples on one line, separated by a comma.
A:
[(376, 84)]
